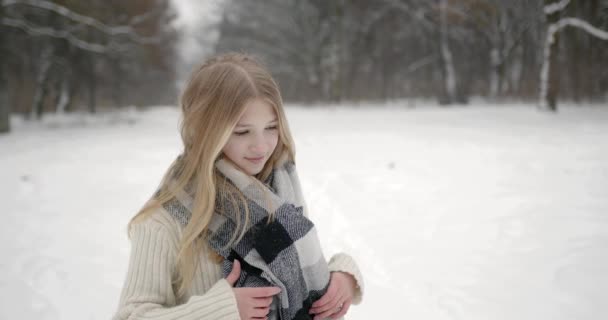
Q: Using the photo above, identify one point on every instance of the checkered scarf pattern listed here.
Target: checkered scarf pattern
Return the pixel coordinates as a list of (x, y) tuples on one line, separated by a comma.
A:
[(284, 252)]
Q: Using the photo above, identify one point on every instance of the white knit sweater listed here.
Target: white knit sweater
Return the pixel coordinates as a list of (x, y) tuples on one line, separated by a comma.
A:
[(148, 292)]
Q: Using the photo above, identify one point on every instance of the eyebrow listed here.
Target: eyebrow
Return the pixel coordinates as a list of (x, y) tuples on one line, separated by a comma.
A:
[(250, 125)]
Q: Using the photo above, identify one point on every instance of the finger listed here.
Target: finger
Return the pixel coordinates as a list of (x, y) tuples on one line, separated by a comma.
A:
[(260, 312), (262, 292), (331, 305), (262, 302), (235, 274), (327, 298), (328, 313), (343, 311)]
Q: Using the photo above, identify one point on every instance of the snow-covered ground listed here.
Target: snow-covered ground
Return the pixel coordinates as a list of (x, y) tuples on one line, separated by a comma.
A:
[(480, 212)]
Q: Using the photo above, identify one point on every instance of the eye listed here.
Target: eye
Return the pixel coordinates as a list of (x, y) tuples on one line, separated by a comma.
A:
[(241, 133), (272, 128)]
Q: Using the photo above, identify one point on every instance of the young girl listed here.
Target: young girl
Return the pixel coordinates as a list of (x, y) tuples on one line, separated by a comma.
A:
[(227, 235)]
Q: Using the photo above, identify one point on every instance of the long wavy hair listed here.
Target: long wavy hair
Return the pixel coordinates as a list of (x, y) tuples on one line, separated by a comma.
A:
[(211, 104)]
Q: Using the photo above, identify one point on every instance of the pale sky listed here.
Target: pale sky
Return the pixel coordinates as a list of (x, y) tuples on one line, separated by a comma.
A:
[(195, 20), (191, 12)]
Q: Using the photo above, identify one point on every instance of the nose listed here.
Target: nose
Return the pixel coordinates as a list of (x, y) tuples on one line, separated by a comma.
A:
[(258, 145)]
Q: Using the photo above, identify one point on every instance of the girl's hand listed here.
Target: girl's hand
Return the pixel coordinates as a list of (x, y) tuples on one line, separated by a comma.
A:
[(253, 303), (337, 299)]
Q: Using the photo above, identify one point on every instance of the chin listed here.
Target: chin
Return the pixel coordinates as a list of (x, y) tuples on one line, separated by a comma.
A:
[(250, 171), (254, 172)]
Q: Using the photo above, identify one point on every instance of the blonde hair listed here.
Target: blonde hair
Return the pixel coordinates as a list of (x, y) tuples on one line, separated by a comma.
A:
[(211, 104)]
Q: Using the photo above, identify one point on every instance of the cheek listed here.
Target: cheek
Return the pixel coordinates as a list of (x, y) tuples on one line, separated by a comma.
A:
[(272, 141), (231, 148)]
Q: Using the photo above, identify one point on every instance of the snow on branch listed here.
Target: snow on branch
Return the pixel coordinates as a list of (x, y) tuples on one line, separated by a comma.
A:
[(555, 7), (551, 31), (421, 63), (126, 30), (143, 17), (62, 34), (576, 22)]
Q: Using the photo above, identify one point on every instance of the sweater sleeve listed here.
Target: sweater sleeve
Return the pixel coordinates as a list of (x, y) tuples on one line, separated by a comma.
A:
[(148, 292), (345, 263)]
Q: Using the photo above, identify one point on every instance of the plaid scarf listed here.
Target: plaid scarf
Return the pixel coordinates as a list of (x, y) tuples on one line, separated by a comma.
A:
[(283, 251)]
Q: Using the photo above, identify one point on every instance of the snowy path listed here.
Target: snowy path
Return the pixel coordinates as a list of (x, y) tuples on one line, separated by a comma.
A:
[(465, 213)]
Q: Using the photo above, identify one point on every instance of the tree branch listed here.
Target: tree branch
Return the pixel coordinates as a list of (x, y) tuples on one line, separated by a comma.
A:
[(554, 28), (556, 6), (85, 20), (576, 22), (44, 31)]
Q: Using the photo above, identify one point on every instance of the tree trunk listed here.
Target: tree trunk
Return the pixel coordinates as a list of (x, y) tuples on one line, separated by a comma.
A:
[(495, 72), (41, 82), (550, 61), (548, 89), (65, 96), (554, 72), (515, 75), (447, 64), (5, 110), (338, 48), (92, 86), (117, 83)]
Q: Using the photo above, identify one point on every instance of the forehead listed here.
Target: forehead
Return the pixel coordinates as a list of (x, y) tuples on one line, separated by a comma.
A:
[(257, 110)]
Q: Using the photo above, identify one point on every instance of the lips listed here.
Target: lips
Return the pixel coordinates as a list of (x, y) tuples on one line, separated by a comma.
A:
[(255, 160)]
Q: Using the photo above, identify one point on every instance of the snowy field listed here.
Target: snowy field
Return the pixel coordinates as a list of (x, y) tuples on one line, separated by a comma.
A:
[(476, 213)]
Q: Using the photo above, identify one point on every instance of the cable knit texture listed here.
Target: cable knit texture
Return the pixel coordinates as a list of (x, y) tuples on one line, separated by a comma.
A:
[(148, 291)]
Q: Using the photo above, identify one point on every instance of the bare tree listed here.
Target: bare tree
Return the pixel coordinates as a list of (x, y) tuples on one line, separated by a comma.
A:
[(549, 78), (111, 31), (77, 43), (446, 49)]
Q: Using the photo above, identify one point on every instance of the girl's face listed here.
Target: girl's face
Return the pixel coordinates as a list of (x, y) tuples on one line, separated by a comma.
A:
[(254, 138)]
